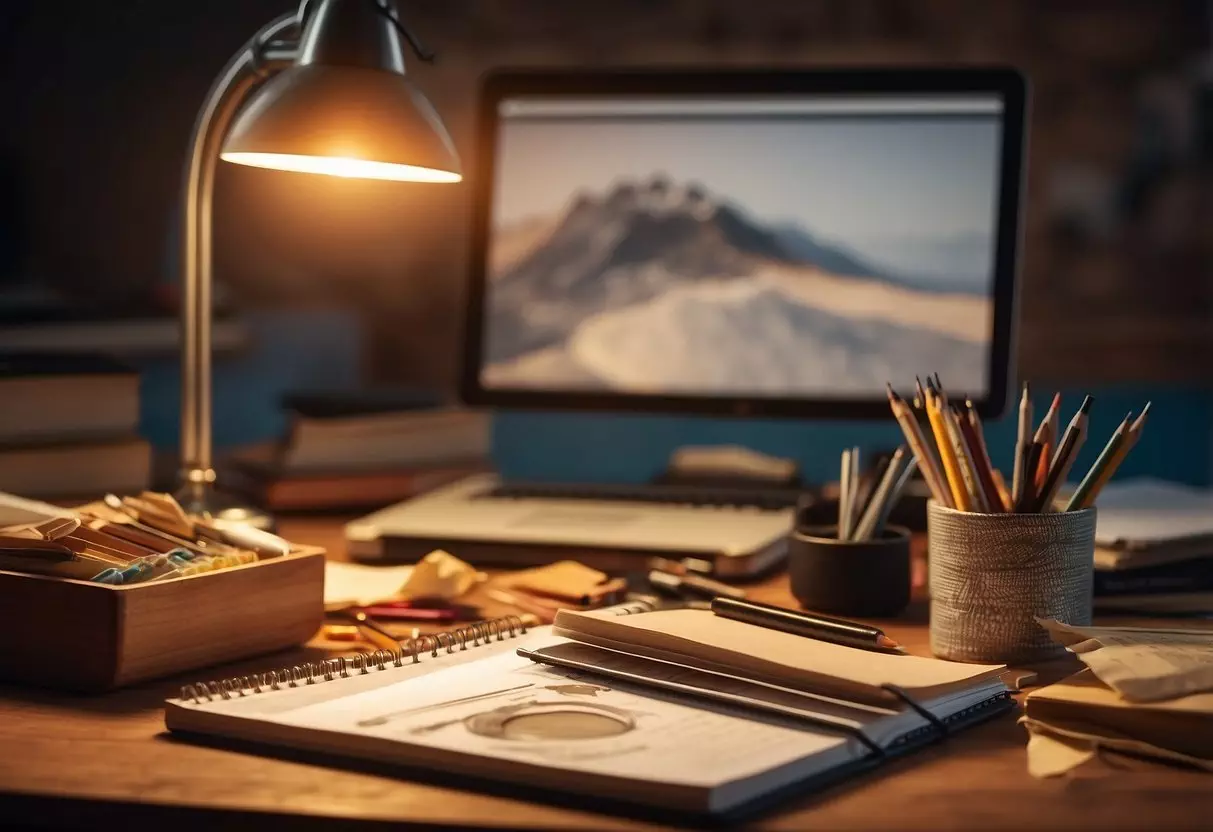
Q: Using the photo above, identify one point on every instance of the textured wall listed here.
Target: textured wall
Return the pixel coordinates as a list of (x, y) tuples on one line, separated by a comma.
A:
[(1117, 267)]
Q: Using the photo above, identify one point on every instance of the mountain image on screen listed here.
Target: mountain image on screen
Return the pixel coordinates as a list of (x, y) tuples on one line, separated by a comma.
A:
[(662, 287)]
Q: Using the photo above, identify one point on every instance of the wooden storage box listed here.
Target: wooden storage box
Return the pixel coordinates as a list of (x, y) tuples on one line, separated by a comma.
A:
[(91, 637)]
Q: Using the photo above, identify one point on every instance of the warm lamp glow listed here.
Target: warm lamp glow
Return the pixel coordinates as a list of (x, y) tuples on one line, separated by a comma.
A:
[(342, 166)]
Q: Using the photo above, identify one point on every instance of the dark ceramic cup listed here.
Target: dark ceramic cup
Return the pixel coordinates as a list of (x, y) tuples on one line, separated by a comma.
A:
[(866, 578)]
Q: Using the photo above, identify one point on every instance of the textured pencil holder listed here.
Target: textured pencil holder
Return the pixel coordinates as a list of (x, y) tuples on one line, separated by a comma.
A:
[(992, 575)]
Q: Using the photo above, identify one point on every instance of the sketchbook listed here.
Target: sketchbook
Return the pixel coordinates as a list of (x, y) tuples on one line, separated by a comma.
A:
[(477, 704)]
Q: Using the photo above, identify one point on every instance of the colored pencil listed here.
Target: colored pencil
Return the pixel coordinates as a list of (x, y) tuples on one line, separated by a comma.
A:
[(1028, 497), (845, 493), (964, 461), (1081, 498), (853, 502), (947, 454), (1022, 439), (869, 485), (1131, 437), (1048, 433), (970, 424), (894, 494), (866, 525), (1063, 460), (1003, 492), (922, 451)]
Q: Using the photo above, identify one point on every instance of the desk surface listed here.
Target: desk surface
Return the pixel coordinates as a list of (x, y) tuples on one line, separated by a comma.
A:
[(79, 760)]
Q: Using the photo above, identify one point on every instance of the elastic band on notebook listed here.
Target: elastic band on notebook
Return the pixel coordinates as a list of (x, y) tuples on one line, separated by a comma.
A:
[(934, 721), (858, 734)]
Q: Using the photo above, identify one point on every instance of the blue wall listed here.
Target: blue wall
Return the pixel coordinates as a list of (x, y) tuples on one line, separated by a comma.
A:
[(321, 349), (1177, 443), (295, 350)]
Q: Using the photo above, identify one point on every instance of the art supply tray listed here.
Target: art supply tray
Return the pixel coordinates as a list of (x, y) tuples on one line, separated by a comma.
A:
[(90, 637)]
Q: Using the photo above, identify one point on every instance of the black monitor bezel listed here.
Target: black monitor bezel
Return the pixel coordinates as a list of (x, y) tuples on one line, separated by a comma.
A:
[(1007, 83)]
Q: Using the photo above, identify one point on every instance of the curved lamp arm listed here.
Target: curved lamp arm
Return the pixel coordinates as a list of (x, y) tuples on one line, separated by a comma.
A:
[(328, 45), (264, 54)]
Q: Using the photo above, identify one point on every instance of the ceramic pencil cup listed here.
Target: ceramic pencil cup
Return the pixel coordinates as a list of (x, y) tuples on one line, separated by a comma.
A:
[(866, 578), (992, 575)]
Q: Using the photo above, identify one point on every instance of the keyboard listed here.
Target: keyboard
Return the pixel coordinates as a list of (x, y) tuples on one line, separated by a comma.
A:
[(681, 495)]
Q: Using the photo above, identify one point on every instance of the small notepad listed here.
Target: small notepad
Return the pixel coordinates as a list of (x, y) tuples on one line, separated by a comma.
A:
[(703, 637)]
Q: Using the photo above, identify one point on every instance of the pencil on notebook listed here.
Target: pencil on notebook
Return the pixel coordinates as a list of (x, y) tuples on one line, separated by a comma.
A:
[(1063, 459)]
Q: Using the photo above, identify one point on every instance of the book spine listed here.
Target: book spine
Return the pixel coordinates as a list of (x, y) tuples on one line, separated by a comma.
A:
[(1184, 577)]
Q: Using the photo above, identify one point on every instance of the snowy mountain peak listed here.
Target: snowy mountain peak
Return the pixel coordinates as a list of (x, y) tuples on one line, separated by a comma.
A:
[(657, 195)]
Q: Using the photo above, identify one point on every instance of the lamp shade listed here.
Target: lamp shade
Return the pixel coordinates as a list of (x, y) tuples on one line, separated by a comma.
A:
[(345, 108)]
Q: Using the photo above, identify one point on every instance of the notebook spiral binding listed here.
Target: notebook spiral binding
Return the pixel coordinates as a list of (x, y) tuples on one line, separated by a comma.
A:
[(326, 670)]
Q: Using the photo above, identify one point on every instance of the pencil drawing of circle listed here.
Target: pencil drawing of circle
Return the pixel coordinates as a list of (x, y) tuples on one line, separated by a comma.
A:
[(551, 721)]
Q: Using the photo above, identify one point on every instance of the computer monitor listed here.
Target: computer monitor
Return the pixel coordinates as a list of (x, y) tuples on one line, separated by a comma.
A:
[(769, 244)]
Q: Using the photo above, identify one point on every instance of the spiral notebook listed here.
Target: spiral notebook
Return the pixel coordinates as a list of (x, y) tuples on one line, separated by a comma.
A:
[(639, 729)]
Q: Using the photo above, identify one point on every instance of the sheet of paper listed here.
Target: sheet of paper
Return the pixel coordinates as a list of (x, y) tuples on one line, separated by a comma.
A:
[(347, 584), (1152, 511), (1050, 755), (512, 709), (1052, 759), (1141, 665)]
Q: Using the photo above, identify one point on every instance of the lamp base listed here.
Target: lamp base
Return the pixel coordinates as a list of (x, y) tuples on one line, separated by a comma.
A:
[(198, 498)]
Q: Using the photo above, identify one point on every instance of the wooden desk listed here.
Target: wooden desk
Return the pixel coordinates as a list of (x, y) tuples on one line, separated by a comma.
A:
[(70, 760)]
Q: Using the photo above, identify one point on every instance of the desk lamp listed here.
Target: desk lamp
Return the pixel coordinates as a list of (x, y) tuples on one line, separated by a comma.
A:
[(318, 90)]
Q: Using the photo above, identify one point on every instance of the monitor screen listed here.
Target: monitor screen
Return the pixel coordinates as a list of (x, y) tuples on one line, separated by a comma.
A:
[(808, 247)]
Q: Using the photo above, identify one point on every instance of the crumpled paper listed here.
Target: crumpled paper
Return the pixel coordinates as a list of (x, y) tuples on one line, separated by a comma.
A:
[(440, 575), (1142, 665), (1056, 748)]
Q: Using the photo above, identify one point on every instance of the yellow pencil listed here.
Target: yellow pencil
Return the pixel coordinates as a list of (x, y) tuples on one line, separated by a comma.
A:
[(927, 463), (965, 463), (1004, 493), (947, 453)]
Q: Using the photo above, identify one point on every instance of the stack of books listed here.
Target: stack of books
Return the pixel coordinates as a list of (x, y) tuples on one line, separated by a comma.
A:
[(69, 427), (1154, 549), (365, 449)]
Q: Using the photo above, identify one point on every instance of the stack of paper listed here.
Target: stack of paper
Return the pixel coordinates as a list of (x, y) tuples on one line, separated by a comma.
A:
[(1145, 692)]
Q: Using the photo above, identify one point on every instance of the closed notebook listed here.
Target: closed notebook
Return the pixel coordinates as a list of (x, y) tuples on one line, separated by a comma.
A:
[(505, 717)]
